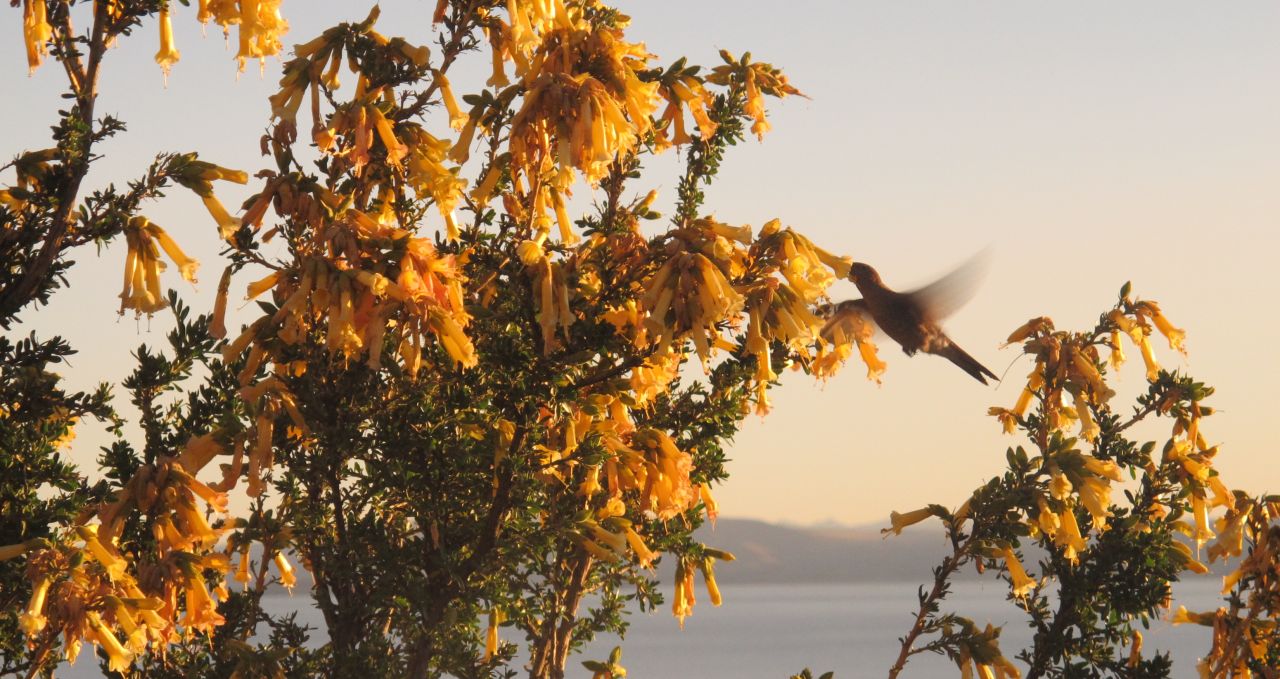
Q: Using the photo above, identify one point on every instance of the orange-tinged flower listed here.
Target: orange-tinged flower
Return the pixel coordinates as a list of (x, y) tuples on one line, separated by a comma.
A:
[(1176, 336), (36, 32), (683, 600)]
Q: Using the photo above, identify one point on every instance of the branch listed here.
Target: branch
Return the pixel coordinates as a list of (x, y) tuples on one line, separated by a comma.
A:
[(949, 566)]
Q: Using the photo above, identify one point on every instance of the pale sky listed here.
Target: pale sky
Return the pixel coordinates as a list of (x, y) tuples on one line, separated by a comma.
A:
[(1084, 143)]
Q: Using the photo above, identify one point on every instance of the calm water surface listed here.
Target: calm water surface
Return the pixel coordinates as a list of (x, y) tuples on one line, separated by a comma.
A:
[(772, 631)]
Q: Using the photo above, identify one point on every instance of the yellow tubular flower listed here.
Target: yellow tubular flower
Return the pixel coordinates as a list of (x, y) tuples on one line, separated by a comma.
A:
[(1032, 327), (498, 77), (1095, 494), (1059, 485), (1182, 616), (496, 617), (707, 566), (396, 150), (1189, 560), (1149, 358), (1200, 510), (1047, 520), (36, 32), (900, 521), (287, 577), (186, 266), (683, 601), (644, 555), (1103, 468), (168, 54), (875, 366), (709, 502), (1008, 421), (1068, 537), (457, 119), (119, 658), (1089, 429), (11, 551), (262, 285), (32, 619), (217, 323), (1117, 352), (1176, 336), (227, 225), (1135, 649), (114, 565), (1021, 583), (242, 570)]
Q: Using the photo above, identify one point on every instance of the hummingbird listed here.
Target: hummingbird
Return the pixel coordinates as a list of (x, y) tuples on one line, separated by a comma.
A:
[(911, 318)]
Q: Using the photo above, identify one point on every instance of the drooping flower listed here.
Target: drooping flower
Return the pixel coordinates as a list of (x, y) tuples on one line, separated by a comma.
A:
[(168, 54), (36, 32), (1022, 584)]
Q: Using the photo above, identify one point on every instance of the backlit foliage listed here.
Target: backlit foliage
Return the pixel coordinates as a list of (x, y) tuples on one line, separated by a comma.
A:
[(460, 367), (1112, 522)]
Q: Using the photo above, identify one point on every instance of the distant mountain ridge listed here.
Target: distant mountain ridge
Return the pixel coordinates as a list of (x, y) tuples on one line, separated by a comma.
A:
[(772, 553)]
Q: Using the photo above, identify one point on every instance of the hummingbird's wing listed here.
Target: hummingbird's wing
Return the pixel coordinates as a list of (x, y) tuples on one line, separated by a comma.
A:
[(842, 315), (946, 295)]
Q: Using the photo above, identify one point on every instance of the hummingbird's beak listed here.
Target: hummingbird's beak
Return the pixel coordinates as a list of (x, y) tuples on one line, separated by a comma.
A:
[(853, 272)]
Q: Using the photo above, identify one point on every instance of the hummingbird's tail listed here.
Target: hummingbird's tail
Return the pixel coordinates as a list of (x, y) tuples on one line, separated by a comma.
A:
[(967, 363)]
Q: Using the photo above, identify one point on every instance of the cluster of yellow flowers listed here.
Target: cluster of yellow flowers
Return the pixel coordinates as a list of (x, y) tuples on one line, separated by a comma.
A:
[(756, 79), (1246, 631), (981, 653), (584, 106), (91, 591), (258, 22), (683, 600), (198, 176), (259, 25), (589, 100), (361, 277), (36, 32), (1070, 364), (142, 266)]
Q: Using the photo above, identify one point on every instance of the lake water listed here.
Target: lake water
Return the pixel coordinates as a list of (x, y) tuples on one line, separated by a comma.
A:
[(773, 631)]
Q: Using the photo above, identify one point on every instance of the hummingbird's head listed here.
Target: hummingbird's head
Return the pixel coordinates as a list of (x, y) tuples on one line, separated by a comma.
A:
[(861, 274)]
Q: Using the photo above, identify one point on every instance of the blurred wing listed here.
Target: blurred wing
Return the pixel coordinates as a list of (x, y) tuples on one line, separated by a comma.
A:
[(946, 295), (841, 316)]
